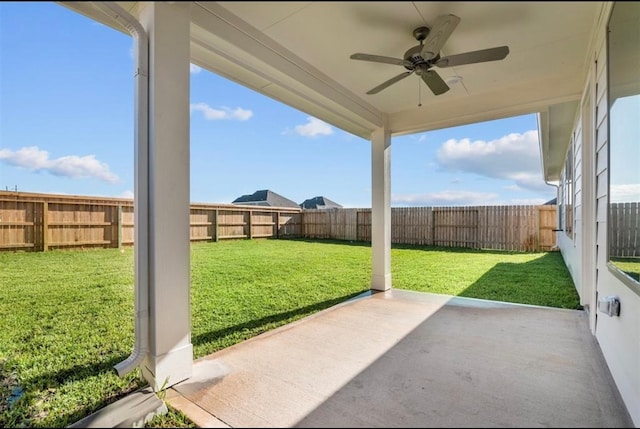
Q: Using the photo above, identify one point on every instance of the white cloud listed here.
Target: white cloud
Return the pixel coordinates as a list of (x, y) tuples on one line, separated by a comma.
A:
[(460, 198), (74, 166), (314, 127), (527, 201), (513, 157), (194, 69), (126, 194), (446, 198), (417, 138), (625, 193), (212, 114)]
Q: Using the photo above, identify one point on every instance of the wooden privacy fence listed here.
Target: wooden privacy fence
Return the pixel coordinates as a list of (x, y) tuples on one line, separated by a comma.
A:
[(624, 230), (40, 222), (519, 228)]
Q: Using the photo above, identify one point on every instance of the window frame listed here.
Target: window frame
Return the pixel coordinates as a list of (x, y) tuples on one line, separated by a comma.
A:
[(624, 277)]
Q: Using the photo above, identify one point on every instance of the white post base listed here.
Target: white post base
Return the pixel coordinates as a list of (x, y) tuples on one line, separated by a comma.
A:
[(168, 369)]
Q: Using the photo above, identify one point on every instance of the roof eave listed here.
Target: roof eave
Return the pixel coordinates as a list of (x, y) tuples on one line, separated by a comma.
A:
[(555, 128)]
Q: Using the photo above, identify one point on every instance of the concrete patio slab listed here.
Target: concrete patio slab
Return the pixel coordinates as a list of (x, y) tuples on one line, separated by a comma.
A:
[(409, 359)]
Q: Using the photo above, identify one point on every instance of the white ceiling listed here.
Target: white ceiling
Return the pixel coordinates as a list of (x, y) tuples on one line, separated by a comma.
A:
[(298, 53)]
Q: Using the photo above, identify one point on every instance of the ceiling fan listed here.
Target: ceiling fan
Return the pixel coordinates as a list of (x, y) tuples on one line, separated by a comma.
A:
[(421, 58)]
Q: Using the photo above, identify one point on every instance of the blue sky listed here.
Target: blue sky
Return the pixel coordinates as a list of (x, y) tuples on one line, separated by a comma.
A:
[(66, 126)]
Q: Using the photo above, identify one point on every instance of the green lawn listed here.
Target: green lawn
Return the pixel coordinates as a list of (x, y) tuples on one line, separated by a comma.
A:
[(66, 317)]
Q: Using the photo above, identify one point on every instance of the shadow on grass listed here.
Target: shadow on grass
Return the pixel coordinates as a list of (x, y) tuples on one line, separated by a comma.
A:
[(79, 372), (544, 281), (424, 247), (52, 381), (355, 243), (73, 373), (462, 249), (278, 319), (64, 420)]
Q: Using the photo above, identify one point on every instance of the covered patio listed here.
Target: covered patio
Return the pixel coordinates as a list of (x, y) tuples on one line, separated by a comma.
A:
[(477, 362), (437, 361)]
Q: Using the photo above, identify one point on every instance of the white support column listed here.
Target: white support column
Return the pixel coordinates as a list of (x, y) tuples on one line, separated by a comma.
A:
[(170, 356), (381, 209)]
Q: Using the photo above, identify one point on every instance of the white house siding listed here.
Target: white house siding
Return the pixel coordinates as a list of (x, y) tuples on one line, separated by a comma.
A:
[(577, 209), (570, 243), (618, 337)]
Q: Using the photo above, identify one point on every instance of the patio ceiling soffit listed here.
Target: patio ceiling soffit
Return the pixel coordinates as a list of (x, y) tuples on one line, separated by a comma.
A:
[(226, 45)]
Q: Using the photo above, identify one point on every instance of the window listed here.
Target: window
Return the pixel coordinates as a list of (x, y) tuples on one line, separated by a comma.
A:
[(623, 222), (565, 195), (560, 203), (568, 193)]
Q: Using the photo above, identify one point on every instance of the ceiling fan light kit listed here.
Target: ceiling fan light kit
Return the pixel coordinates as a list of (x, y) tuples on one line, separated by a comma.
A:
[(421, 58), (454, 80)]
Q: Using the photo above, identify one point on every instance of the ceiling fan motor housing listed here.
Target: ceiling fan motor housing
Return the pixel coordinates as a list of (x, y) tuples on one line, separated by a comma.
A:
[(414, 55)]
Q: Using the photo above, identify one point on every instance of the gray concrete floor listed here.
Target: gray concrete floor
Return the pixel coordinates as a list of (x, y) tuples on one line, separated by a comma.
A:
[(409, 359)]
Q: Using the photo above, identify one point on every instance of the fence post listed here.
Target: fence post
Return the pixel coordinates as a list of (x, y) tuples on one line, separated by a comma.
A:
[(433, 226), (45, 226), (216, 231), (119, 227), (538, 247), (277, 224), (250, 224), (211, 229)]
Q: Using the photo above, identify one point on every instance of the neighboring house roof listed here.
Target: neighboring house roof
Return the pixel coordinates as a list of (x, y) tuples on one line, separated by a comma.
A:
[(319, 203), (265, 197), (551, 202)]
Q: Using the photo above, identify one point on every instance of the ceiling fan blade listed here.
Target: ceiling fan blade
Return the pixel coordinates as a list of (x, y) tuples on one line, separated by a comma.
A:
[(380, 59), (438, 35), (491, 54), (388, 83), (434, 82)]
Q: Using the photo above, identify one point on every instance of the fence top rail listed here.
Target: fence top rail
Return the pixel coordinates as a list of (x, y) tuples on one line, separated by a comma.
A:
[(17, 200), (488, 206), (61, 198), (330, 209), (244, 208), (13, 196)]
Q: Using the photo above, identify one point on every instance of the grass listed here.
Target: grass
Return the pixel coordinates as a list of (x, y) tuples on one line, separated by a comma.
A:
[(172, 419), (66, 317), (525, 278), (243, 288)]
